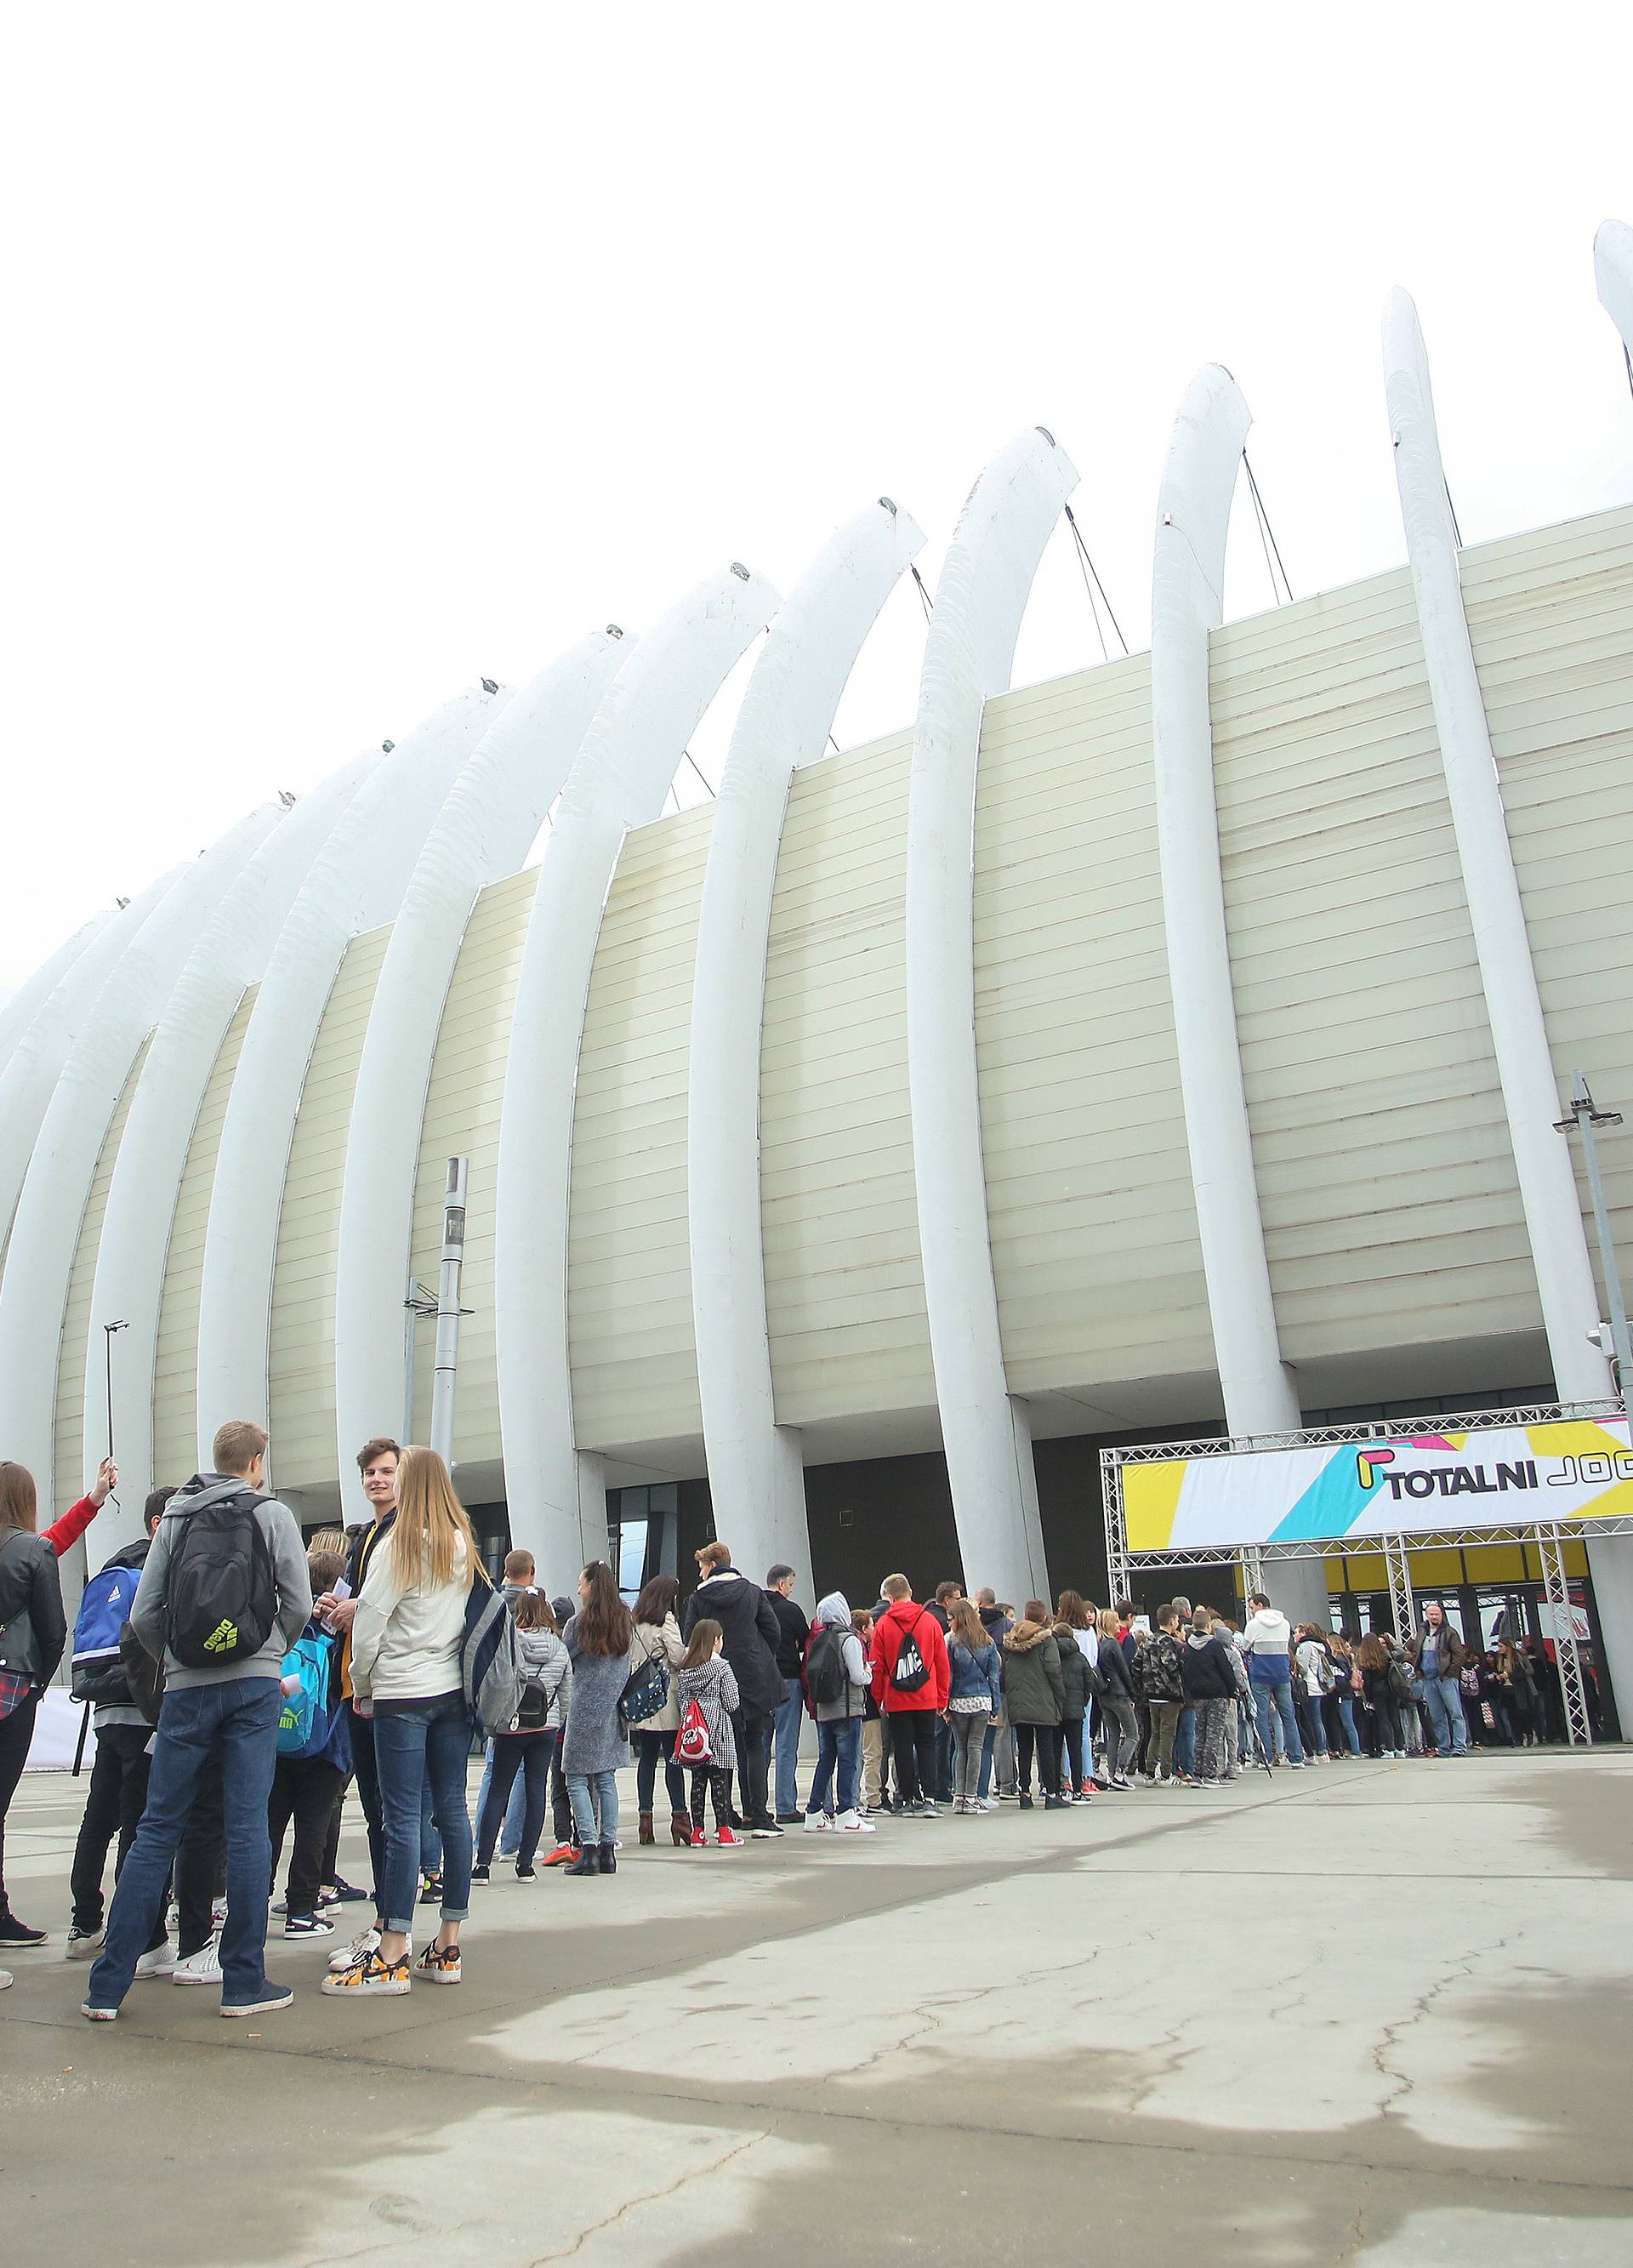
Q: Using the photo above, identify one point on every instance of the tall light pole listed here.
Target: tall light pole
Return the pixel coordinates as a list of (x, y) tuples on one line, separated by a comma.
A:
[(1585, 1117)]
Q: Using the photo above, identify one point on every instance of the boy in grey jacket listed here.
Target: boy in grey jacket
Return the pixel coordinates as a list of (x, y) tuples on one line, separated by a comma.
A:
[(227, 1709)]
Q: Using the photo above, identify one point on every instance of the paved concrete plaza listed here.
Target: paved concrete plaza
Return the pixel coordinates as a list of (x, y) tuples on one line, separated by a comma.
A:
[(1371, 2013)]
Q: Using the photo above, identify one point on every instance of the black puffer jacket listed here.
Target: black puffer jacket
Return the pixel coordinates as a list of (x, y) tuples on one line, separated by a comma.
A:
[(752, 1632)]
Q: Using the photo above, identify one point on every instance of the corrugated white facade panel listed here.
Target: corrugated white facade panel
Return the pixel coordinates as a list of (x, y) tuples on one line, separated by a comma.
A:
[(462, 1109), (844, 1283), (1383, 1162), (630, 1276), (301, 1385), (175, 1373), (1391, 1208), (1551, 615), (1092, 1222), (70, 1480)]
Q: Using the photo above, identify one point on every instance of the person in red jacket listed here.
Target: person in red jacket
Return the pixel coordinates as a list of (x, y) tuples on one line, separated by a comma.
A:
[(63, 1533), (907, 1641)]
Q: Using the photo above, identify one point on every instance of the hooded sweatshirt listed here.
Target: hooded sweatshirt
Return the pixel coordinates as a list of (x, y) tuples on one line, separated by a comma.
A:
[(833, 1613), (1209, 1675), (1265, 1642), (291, 1581)]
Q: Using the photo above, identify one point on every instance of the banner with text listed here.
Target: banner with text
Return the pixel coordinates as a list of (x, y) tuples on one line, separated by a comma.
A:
[(1496, 1477)]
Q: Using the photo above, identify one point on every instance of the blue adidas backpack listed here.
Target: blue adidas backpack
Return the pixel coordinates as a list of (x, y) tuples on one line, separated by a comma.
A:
[(99, 1674), (304, 1723)]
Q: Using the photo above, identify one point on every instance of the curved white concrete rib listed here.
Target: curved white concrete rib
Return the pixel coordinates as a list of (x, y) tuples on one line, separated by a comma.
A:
[(1548, 1186), (622, 774), (356, 883), (484, 830), (756, 1478), (40, 1259), (969, 650), (1613, 273), (29, 1076), (231, 955), (1187, 581), (31, 994)]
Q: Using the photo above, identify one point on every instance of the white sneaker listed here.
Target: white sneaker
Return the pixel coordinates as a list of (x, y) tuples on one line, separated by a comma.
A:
[(851, 1822), (85, 1944), (817, 1822), (366, 1941), (158, 1963), (201, 1968)]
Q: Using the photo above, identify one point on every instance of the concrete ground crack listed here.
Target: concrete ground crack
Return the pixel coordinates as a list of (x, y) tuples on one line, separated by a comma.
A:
[(648, 2197), (1459, 1970)]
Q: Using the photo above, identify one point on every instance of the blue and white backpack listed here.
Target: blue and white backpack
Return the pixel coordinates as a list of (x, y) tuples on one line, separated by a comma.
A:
[(99, 1674)]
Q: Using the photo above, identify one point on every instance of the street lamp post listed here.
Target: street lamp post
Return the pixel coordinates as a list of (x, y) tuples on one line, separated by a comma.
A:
[(1585, 1117)]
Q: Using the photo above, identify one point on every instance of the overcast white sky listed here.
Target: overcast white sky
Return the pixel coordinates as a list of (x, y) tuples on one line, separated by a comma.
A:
[(356, 352)]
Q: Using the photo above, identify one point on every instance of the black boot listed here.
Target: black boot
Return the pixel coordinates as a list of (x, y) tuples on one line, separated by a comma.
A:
[(587, 1862), (609, 1858)]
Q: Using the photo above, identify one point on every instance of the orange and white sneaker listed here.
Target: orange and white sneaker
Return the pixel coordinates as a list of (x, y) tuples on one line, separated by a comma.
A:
[(369, 1978), (440, 1964)]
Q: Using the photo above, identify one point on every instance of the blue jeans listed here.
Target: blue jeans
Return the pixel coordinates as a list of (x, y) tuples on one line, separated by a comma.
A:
[(1275, 1698), (1185, 1740), (595, 1807), (785, 1739), (412, 1747), (1346, 1710), (987, 1743), (511, 1834), (839, 1753), (237, 1720), (1444, 1698)]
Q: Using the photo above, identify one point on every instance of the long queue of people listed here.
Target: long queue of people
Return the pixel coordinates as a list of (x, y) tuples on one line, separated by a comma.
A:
[(242, 1683)]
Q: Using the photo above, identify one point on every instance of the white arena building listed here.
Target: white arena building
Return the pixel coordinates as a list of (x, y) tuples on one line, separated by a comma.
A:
[(1173, 1046)]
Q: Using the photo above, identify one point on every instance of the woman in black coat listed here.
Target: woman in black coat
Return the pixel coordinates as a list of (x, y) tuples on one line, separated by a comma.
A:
[(35, 1634), (751, 1633)]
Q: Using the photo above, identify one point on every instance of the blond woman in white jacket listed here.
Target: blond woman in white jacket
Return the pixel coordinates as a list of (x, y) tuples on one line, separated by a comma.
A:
[(405, 1642)]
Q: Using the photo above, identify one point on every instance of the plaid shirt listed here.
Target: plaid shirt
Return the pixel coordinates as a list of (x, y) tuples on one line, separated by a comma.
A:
[(15, 1685)]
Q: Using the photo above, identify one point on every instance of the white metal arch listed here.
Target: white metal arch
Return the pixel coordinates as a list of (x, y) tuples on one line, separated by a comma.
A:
[(1548, 1188), (231, 955), (484, 830), (29, 1077), (1542, 1162), (39, 1260), (1612, 272), (1188, 583), (756, 1473), (619, 780), (356, 883), (970, 651), (31, 994)]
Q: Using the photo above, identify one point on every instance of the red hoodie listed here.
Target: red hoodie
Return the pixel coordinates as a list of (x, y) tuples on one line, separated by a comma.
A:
[(905, 1619), (63, 1533)]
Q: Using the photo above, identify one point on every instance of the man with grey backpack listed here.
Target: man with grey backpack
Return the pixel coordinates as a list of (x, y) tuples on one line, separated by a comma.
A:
[(223, 1595)]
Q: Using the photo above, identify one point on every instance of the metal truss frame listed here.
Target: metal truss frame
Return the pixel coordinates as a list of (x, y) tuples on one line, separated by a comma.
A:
[(1549, 1537)]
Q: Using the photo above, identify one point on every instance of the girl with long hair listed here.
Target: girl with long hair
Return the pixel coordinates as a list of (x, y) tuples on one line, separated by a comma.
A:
[(601, 1638), (1117, 1704), (975, 1698), (529, 1747), (407, 1639), (32, 1634), (1374, 1660), (706, 1676), (657, 1638)]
